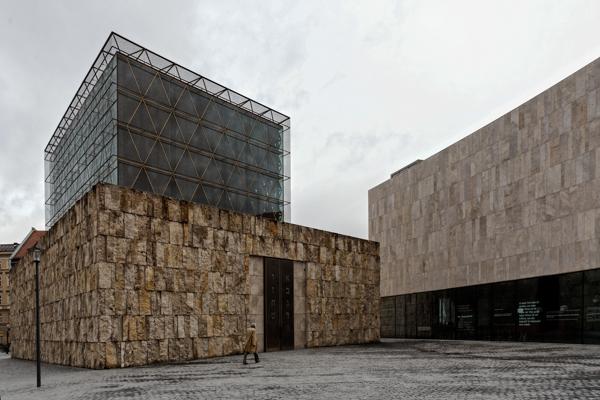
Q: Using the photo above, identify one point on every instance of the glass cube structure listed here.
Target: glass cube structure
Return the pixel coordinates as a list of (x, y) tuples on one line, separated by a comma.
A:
[(141, 121)]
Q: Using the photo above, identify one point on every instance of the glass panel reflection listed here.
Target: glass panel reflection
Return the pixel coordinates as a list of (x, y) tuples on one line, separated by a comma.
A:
[(236, 159), (556, 308)]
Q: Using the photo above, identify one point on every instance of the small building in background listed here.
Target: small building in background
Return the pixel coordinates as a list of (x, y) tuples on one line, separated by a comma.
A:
[(5, 252)]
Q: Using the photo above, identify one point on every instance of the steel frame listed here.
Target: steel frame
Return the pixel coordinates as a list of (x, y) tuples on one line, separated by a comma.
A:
[(107, 172)]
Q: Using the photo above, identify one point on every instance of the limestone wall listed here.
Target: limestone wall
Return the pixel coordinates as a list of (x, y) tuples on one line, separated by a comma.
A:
[(518, 198), (130, 278)]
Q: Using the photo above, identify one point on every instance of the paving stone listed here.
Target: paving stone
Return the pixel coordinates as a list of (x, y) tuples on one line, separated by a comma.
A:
[(393, 369)]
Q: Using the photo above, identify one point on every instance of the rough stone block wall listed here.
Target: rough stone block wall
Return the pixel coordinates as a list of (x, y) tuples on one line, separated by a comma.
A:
[(129, 278), (518, 198)]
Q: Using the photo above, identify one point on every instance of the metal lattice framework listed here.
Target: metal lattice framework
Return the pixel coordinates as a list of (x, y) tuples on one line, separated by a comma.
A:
[(116, 43), (142, 121)]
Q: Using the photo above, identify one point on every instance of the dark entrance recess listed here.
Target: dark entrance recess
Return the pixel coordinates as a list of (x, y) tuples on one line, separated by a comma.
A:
[(279, 304)]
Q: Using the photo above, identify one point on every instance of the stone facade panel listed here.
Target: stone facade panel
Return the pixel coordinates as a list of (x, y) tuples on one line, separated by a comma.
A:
[(129, 278), (518, 198)]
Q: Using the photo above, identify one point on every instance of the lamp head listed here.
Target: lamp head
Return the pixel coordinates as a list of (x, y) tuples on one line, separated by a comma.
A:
[(37, 254)]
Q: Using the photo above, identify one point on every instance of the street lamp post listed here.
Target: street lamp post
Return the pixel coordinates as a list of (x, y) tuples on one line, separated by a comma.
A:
[(36, 259)]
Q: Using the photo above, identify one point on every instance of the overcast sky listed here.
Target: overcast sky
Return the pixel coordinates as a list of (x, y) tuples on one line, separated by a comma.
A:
[(370, 86)]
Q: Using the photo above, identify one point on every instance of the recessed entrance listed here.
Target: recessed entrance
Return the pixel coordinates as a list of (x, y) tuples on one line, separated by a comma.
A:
[(279, 304)]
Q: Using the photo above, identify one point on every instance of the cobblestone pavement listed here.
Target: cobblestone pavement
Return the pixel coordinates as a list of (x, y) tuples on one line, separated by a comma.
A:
[(394, 369)]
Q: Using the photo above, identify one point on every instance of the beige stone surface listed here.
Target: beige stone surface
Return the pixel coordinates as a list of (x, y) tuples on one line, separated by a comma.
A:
[(520, 197), (300, 331), (129, 278)]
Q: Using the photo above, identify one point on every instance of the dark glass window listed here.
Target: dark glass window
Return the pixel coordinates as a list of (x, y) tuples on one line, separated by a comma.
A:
[(485, 311), (556, 308), (424, 314), (400, 317), (561, 296), (388, 313), (591, 306), (529, 310), (465, 306)]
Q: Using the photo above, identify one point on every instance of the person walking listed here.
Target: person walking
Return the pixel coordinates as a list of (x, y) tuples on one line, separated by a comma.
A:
[(251, 343)]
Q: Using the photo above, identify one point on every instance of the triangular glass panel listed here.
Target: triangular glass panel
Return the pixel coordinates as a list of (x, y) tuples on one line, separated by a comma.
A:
[(199, 140), (158, 158), (228, 116), (143, 183), (270, 162), (201, 163), (200, 196), (127, 174), (187, 188), (156, 91), (213, 114), (171, 130), (141, 119), (126, 148), (259, 184), (212, 137), (273, 137), (126, 108), (237, 147), (201, 103), (186, 104), (186, 128), (247, 125), (260, 132), (225, 169), (172, 189), (213, 195), (174, 91), (174, 154), (125, 76), (225, 202), (225, 147), (142, 76), (251, 177), (259, 157), (159, 118), (159, 181), (245, 155), (211, 174), (238, 178), (236, 124), (143, 145), (186, 166)]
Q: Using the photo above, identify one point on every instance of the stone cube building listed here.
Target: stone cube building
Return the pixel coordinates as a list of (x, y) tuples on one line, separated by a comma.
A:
[(497, 236), (133, 278)]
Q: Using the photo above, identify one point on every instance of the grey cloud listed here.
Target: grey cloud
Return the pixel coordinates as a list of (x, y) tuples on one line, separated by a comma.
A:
[(369, 87)]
